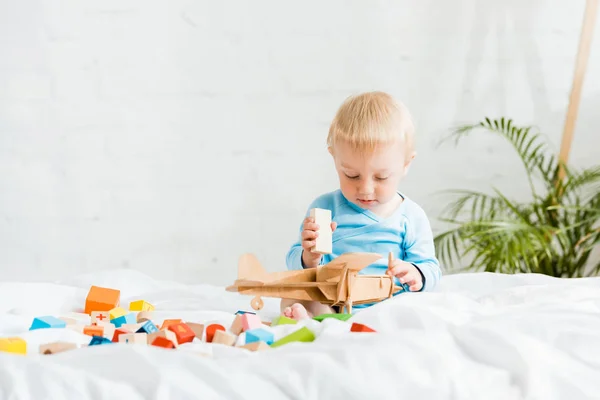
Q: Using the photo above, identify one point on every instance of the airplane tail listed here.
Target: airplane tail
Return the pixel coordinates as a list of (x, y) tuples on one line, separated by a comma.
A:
[(249, 268)]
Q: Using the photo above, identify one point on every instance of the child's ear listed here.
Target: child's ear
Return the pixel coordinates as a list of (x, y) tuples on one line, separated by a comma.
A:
[(409, 161), (330, 150)]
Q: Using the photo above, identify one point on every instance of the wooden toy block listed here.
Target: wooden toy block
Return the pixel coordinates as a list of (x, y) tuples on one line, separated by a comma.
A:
[(283, 320), (168, 322), (56, 347), (255, 346), (47, 322), (108, 329), (356, 327), (341, 317), (93, 330), (210, 331), (13, 345), (100, 316), (184, 333), (118, 333), (68, 321), (301, 335), (102, 299), (144, 316), (147, 327), (222, 337), (124, 319), (259, 335), (163, 342), (140, 305), (164, 334), (98, 340), (132, 328), (76, 328), (324, 239), (117, 312), (134, 338), (237, 326), (197, 328), (250, 321)]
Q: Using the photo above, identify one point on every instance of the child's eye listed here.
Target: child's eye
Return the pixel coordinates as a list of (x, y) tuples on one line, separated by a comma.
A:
[(381, 179), (351, 177)]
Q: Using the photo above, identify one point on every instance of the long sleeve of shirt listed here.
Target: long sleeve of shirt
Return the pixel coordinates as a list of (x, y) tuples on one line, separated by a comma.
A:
[(406, 233)]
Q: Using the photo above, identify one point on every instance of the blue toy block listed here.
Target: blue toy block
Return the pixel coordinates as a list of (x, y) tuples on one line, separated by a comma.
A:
[(47, 322), (130, 318), (97, 340), (148, 327), (240, 312), (259, 335)]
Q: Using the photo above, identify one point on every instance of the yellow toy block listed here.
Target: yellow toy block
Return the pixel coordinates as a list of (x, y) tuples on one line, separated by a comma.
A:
[(117, 312), (13, 345), (140, 305)]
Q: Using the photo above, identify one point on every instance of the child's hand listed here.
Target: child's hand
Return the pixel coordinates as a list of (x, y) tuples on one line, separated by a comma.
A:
[(406, 273), (309, 236)]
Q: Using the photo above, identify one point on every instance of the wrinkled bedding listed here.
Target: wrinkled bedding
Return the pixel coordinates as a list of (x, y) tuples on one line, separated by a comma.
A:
[(479, 336)]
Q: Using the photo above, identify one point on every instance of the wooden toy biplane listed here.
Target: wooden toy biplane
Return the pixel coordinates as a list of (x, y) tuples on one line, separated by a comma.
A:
[(337, 283)]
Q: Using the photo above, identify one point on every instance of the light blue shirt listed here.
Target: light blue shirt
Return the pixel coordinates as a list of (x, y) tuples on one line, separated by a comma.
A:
[(406, 233)]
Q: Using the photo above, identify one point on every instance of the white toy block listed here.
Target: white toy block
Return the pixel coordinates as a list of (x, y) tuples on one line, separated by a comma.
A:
[(324, 239)]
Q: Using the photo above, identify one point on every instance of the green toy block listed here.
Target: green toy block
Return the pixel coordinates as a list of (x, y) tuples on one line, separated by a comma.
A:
[(301, 335), (283, 320), (341, 317)]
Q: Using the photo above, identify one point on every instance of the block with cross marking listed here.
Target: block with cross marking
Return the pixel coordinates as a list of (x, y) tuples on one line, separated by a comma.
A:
[(100, 316)]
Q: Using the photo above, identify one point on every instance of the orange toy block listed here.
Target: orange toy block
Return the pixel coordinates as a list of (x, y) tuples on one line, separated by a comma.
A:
[(222, 337), (210, 331), (161, 341), (101, 299), (356, 327), (13, 345), (197, 328), (183, 332), (93, 330), (168, 322)]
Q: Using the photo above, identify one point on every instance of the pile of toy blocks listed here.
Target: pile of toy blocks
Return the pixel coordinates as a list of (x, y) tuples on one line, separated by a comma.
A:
[(109, 323)]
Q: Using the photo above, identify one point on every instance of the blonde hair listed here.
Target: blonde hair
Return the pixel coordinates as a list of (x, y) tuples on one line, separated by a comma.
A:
[(371, 119)]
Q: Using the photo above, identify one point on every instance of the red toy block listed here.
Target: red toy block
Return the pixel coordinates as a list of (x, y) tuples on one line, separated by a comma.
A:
[(162, 341), (101, 299), (183, 332), (168, 322), (356, 327), (210, 331), (119, 332)]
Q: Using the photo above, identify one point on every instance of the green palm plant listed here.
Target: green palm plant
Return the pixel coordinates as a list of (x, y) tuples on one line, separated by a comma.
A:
[(552, 233)]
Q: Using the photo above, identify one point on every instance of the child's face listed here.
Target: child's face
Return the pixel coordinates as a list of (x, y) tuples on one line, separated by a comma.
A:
[(370, 179)]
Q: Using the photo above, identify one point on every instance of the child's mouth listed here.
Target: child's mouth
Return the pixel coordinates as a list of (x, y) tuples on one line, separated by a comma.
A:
[(366, 202)]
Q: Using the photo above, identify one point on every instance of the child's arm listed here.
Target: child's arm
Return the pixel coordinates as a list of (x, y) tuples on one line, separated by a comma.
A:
[(420, 250)]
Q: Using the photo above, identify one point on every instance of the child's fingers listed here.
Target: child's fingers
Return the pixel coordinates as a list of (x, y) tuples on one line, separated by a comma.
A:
[(308, 235), (416, 286), (308, 244), (311, 226), (399, 270), (333, 225)]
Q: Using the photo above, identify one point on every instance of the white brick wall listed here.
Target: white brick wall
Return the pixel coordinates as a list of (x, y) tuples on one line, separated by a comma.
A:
[(149, 134)]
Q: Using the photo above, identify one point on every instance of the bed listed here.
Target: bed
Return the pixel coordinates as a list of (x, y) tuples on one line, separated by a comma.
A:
[(479, 336)]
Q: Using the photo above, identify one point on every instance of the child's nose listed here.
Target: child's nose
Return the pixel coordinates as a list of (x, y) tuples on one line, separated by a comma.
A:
[(366, 187)]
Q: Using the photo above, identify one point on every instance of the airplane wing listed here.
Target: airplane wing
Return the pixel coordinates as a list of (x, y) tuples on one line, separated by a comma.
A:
[(353, 261)]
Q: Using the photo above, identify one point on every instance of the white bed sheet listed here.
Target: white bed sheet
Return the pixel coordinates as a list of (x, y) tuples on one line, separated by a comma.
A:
[(480, 336)]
